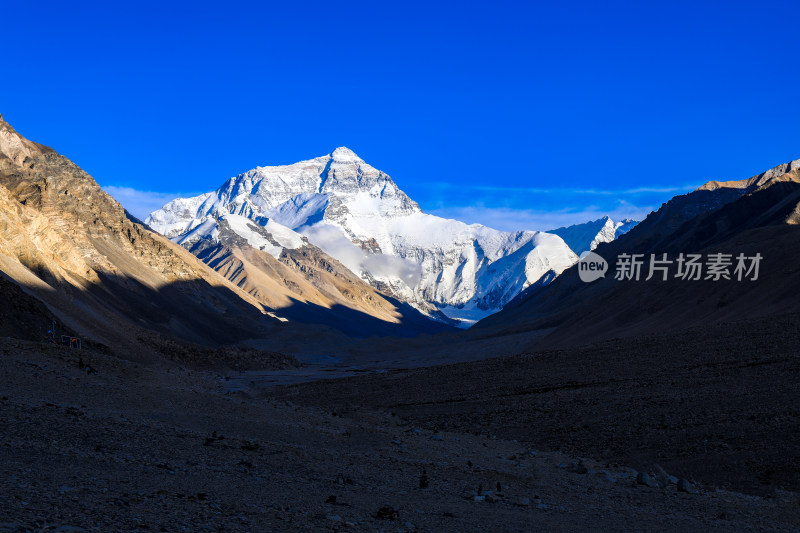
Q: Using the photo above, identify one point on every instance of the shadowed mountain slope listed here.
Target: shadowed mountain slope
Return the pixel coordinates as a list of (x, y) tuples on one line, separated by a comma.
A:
[(754, 216), (697, 377), (302, 283), (102, 274)]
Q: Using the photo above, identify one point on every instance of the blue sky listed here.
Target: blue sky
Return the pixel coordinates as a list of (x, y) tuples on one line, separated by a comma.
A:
[(519, 115)]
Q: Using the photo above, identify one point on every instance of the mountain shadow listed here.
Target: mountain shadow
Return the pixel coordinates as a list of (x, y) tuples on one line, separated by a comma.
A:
[(759, 222)]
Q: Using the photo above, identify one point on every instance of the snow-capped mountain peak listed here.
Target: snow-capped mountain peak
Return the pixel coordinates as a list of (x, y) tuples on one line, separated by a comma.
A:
[(587, 236), (358, 215), (344, 154)]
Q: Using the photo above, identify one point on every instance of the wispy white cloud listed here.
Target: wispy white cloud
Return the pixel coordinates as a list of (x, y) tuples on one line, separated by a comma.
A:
[(334, 242), (542, 208), (563, 190), (510, 219), (141, 203)]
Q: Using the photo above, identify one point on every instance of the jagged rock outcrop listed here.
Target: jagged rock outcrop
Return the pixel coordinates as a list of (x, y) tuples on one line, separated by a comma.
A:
[(285, 272), (101, 272)]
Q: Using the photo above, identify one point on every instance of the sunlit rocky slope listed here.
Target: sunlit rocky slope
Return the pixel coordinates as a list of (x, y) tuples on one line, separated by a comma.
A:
[(100, 272)]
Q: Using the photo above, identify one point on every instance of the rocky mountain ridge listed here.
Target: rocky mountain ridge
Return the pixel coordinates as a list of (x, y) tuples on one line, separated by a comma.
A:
[(759, 215), (585, 237), (358, 215), (104, 275)]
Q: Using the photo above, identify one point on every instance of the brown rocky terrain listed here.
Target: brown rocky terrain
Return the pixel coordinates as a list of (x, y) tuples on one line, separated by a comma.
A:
[(305, 285), (158, 447), (106, 276), (22, 316), (632, 406), (718, 404), (100, 272), (753, 216)]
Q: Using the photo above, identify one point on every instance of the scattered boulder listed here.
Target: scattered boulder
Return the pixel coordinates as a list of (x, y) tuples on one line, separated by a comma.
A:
[(424, 482), (213, 438), (86, 367), (387, 512), (661, 476), (578, 468), (685, 486), (646, 480), (493, 497)]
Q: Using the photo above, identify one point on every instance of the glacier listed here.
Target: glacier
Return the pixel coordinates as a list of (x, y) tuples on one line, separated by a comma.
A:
[(358, 215)]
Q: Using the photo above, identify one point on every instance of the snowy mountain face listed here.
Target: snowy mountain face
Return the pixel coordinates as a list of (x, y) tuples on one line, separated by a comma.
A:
[(585, 237), (357, 214)]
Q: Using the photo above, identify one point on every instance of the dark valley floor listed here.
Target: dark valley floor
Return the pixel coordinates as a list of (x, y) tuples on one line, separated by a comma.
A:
[(161, 448)]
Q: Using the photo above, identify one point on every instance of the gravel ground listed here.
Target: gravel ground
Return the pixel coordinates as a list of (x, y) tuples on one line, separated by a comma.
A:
[(720, 404), (163, 448)]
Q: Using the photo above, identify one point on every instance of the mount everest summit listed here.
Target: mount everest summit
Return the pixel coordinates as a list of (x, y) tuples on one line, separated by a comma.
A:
[(357, 215)]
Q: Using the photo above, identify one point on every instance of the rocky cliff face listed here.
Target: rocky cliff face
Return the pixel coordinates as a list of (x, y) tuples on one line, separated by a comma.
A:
[(308, 191), (358, 215), (70, 244), (283, 271)]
